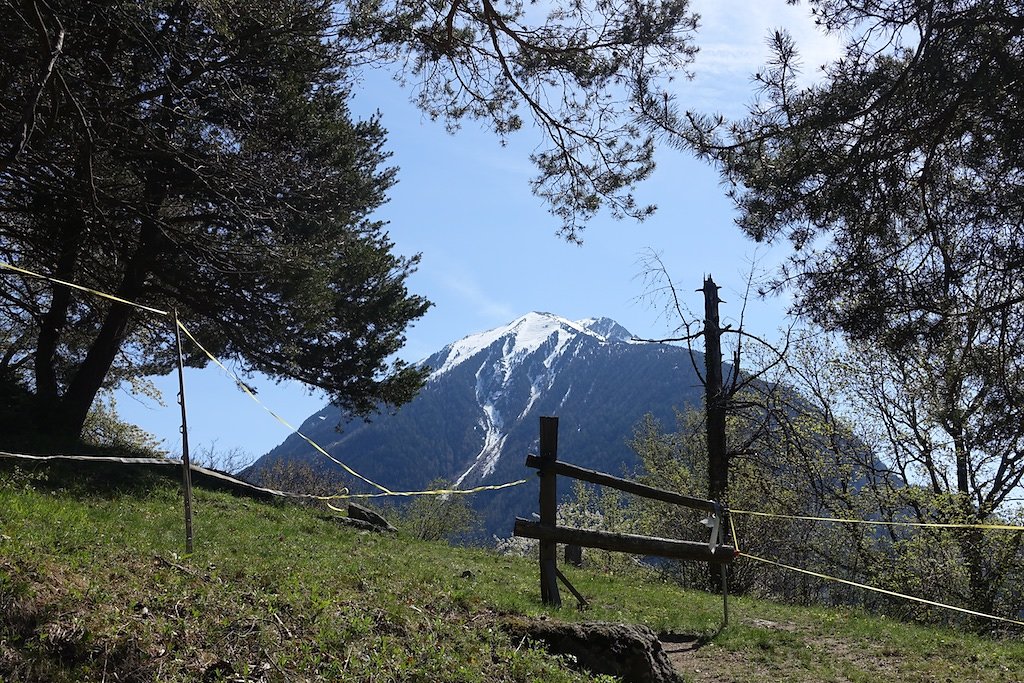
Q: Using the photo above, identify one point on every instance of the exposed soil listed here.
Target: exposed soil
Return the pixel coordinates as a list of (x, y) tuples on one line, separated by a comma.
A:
[(701, 661)]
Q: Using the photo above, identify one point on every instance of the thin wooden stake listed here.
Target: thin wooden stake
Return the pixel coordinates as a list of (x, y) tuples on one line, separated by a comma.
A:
[(186, 468), (725, 595), (581, 602)]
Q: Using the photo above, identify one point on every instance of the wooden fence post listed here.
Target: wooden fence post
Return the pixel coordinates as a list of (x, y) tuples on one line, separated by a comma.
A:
[(549, 510), (573, 555), (549, 534)]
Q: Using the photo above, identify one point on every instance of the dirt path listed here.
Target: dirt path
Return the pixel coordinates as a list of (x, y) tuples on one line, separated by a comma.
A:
[(699, 661)]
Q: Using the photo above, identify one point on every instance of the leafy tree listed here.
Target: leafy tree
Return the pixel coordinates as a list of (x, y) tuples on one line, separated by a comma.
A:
[(843, 432), (439, 518), (289, 476), (897, 180), (104, 430), (899, 409), (785, 459), (197, 156)]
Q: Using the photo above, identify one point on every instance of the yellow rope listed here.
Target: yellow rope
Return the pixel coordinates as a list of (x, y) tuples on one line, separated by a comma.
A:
[(383, 490), (735, 538), (277, 417), (434, 492), (999, 527), (884, 591), (8, 266)]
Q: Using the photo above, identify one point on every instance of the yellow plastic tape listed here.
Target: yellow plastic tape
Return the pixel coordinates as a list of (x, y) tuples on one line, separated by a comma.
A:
[(884, 591), (998, 527), (277, 417), (8, 266), (312, 496), (434, 492), (384, 491), (735, 538)]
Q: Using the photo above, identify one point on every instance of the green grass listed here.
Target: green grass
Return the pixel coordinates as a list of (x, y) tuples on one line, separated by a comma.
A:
[(93, 585)]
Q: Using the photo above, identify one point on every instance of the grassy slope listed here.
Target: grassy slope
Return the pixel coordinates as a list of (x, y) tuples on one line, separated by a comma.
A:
[(91, 588)]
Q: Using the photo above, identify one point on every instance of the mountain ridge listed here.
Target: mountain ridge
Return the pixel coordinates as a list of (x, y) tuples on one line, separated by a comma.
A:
[(476, 418)]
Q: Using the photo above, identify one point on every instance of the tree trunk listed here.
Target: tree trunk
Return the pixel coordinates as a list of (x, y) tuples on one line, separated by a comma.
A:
[(71, 235), (55, 320), (50, 330), (75, 404), (88, 380), (714, 406), (980, 586), (718, 465)]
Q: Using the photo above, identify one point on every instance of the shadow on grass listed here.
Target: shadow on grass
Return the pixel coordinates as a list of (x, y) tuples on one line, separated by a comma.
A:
[(88, 477), (686, 643)]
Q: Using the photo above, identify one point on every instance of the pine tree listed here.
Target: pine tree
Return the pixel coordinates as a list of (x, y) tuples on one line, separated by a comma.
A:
[(198, 156)]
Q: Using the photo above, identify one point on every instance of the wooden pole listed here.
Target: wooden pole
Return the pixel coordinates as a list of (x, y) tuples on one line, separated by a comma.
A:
[(549, 510), (627, 485), (725, 594), (714, 406), (186, 467), (626, 543)]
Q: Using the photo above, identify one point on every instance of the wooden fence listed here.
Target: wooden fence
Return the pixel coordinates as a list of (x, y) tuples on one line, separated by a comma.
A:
[(547, 531)]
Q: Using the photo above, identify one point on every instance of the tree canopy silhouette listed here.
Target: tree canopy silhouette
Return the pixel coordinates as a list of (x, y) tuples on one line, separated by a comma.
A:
[(200, 155)]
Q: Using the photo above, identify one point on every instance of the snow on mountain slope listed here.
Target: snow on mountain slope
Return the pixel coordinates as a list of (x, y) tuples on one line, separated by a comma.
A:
[(523, 336), (532, 346), (606, 328)]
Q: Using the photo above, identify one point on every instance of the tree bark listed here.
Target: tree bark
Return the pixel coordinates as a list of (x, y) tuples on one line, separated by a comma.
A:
[(88, 380), (718, 464), (714, 406), (50, 330), (55, 320)]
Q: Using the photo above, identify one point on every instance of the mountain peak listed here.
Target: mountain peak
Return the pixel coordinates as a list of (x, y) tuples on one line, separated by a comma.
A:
[(525, 335), (607, 328)]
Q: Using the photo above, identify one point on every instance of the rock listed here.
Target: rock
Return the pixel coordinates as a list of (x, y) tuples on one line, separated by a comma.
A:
[(367, 515), (353, 523), (628, 651)]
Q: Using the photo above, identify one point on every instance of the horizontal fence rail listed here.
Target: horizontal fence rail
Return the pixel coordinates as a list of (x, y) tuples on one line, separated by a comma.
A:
[(643, 490), (547, 531), (627, 543)]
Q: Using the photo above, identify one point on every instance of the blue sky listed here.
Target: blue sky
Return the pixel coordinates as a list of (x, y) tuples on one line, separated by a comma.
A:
[(489, 248)]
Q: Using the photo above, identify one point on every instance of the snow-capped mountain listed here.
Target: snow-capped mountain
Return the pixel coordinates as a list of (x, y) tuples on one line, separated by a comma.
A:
[(477, 417), (514, 366)]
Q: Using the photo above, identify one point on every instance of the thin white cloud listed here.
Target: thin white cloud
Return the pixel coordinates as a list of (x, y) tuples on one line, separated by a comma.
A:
[(472, 294), (733, 41), (742, 27)]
